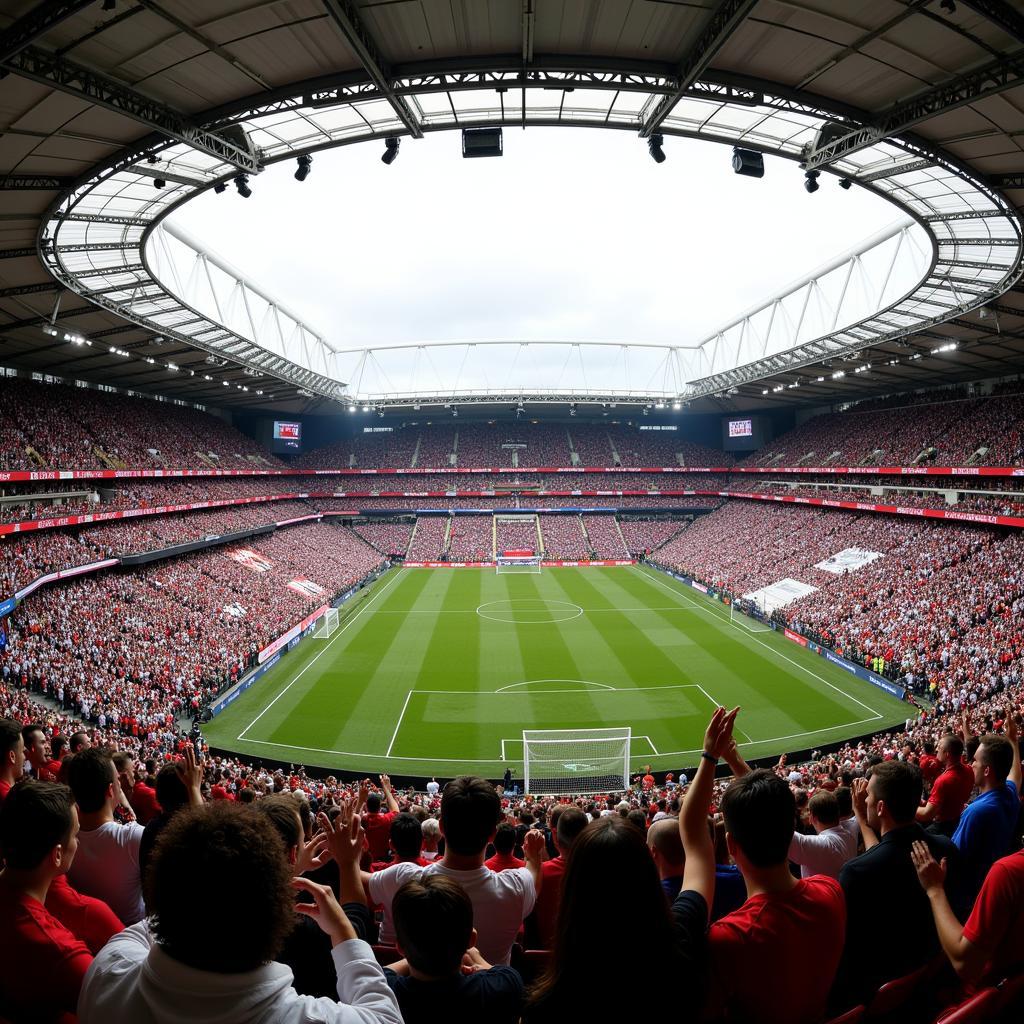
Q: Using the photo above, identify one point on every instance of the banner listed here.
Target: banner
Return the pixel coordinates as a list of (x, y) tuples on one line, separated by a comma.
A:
[(491, 565)]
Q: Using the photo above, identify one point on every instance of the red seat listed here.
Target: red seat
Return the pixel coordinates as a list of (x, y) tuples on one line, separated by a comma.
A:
[(898, 993), (980, 1007), (1011, 998), (530, 963), (853, 1016)]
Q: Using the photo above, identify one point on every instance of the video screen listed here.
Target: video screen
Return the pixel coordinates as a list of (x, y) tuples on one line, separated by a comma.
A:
[(741, 428), (287, 431)]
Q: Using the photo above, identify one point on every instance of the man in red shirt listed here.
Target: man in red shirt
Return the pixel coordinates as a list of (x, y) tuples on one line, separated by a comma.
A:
[(376, 825), (951, 789), (12, 755), (43, 962), (140, 796), (504, 843), (991, 944), (754, 975), (929, 764), (540, 925), (37, 752)]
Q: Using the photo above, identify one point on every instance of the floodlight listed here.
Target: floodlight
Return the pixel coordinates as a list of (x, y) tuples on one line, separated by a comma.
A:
[(220, 187), (845, 183), (390, 150), (654, 147), (242, 184), (948, 5), (159, 183), (811, 181), (305, 163), (478, 142), (748, 162)]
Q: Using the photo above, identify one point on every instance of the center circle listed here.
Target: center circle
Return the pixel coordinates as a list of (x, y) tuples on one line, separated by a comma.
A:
[(527, 610)]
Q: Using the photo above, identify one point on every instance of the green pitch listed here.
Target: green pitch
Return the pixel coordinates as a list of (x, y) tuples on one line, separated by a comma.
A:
[(438, 671)]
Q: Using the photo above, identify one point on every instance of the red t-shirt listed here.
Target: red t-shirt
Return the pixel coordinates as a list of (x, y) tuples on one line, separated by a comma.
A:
[(5, 788), (86, 917), (144, 802), (43, 963), (930, 767), (378, 833), (648, 782), (503, 861), (997, 921), (545, 911), (951, 792), (754, 971)]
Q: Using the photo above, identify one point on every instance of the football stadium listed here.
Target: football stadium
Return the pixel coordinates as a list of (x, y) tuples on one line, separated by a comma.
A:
[(491, 489)]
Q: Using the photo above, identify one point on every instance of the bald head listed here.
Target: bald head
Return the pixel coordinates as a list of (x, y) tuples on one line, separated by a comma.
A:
[(666, 847)]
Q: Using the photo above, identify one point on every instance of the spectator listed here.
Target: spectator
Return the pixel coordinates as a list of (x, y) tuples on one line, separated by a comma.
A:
[(470, 812), (540, 926), (879, 884), (431, 839), (987, 824), (43, 962), (12, 755), (832, 845), (991, 943), (377, 825), (141, 797), (504, 843), (433, 788), (214, 959), (37, 752), (107, 864), (443, 975), (177, 785), (951, 789), (753, 974), (591, 932), (666, 848), (405, 841)]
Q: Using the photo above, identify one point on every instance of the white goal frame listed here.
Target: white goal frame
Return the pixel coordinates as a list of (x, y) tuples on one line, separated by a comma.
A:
[(738, 618), (505, 564), (327, 625), (558, 761)]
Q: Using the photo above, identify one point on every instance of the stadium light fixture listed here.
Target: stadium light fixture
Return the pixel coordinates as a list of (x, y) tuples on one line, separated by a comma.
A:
[(821, 380), (351, 408), (748, 162), (845, 184), (366, 408), (811, 181), (676, 406), (242, 184), (50, 330), (305, 164), (220, 188), (655, 146), (839, 374), (159, 183), (173, 367), (765, 392), (390, 150), (206, 376)]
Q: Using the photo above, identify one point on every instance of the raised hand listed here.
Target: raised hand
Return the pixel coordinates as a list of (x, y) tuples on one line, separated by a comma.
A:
[(718, 738), (325, 910), (313, 855), (931, 874), (343, 836), (859, 792)]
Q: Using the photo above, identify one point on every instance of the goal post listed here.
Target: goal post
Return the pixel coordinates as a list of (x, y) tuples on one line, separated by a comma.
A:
[(327, 625), (558, 761), (749, 613)]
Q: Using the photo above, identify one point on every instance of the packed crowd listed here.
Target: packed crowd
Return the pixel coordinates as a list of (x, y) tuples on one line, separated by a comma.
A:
[(471, 539), (604, 537), (722, 879), (517, 535), (390, 539), (645, 536), (428, 539)]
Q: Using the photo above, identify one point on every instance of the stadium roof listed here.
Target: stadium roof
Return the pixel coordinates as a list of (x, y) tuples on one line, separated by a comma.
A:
[(922, 105)]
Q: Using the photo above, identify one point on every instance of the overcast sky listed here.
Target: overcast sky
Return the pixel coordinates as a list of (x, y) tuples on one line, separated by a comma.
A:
[(571, 235)]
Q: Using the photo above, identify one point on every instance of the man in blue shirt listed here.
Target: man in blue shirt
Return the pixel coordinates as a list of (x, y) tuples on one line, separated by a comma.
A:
[(987, 824)]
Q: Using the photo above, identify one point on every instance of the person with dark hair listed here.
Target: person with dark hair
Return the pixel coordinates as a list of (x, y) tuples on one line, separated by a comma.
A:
[(377, 825), (753, 973), (987, 824), (951, 789), (594, 934), (211, 956), (37, 752), (107, 864), (443, 976), (504, 844), (12, 755), (831, 845), (43, 962), (405, 840), (879, 884), (141, 797), (470, 813), (77, 742), (540, 925), (177, 785)]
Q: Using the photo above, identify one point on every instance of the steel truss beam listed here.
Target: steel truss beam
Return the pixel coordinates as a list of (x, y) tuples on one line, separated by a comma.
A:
[(995, 77), (14, 254), (1015, 180), (65, 76), (891, 172), (999, 13), (962, 215), (724, 21), (30, 289), (37, 22), (345, 16)]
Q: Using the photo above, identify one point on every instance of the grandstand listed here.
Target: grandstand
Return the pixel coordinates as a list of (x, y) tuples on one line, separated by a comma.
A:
[(245, 561)]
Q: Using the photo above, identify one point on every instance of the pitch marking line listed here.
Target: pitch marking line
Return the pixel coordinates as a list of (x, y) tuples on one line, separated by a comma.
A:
[(717, 704), (650, 743), (326, 647), (768, 647), (398, 724), (530, 682)]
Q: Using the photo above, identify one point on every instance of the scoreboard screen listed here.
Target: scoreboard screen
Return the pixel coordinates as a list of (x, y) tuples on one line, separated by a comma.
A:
[(741, 428), (287, 431)]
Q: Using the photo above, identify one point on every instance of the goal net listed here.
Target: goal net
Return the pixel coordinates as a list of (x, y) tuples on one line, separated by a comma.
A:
[(517, 563), (328, 624), (749, 614), (576, 760)]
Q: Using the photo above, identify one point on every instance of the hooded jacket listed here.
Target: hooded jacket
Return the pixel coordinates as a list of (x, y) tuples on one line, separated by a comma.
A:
[(134, 981)]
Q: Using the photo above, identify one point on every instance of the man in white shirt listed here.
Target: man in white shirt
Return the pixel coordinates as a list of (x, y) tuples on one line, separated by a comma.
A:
[(470, 813), (433, 788), (107, 863), (826, 852)]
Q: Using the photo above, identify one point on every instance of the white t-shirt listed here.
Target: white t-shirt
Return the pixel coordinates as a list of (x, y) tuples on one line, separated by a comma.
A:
[(433, 788), (824, 853), (500, 902), (106, 866)]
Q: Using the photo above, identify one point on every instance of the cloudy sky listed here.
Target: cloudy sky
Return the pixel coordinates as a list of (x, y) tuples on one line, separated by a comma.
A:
[(570, 235)]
